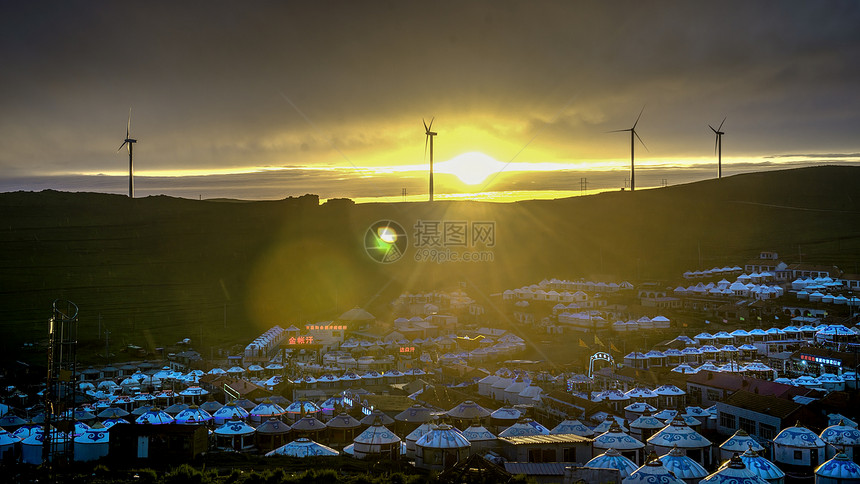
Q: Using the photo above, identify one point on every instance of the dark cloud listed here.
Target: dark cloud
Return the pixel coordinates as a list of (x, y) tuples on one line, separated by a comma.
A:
[(206, 78)]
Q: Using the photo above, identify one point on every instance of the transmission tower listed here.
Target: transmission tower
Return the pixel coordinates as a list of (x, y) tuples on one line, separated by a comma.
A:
[(60, 388)]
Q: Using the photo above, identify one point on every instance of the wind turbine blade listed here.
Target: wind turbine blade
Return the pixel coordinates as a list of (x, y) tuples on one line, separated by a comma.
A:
[(426, 139), (640, 140), (431, 123), (128, 126), (120, 146), (712, 129), (721, 124), (425, 125), (619, 130), (637, 117), (716, 141)]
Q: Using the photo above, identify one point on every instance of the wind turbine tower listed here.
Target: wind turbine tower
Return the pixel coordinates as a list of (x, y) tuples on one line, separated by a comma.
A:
[(718, 147), (633, 136), (430, 134), (130, 142)]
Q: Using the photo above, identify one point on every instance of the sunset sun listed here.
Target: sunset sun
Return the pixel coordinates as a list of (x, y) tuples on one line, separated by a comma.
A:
[(471, 168)]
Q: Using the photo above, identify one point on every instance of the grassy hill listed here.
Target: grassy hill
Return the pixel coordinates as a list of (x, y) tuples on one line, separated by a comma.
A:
[(158, 269)]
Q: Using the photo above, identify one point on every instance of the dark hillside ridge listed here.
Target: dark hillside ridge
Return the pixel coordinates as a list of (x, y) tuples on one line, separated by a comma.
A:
[(158, 269)]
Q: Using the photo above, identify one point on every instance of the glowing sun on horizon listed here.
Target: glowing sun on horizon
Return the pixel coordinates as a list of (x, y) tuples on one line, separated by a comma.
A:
[(470, 168)]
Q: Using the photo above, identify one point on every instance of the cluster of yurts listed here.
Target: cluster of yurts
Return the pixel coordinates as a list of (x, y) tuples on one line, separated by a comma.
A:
[(437, 440)]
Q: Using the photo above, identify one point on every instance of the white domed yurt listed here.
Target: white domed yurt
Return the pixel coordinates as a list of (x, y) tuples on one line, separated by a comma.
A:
[(738, 444), (684, 468), (612, 459), (7, 444), (841, 438), (572, 427), (482, 440), (376, 442), (271, 434), (679, 434), (303, 448), (412, 437), (93, 444), (229, 412), (762, 467), (645, 426), (653, 472), (236, 435), (838, 470), (798, 449), (615, 438), (524, 427), (734, 471), (441, 448), (31, 447)]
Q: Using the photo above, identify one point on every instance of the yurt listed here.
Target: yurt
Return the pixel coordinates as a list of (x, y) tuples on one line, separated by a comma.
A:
[(303, 448), (612, 459), (684, 468), (572, 427), (236, 435), (342, 429), (482, 440), (264, 411), (504, 417), (465, 413), (645, 426), (637, 409), (93, 444), (653, 472), (376, 442), (762, 467), (193, 415), (838, 470), (841, 438), (738, 444), (441, 448), (524, 427), (615, 438), (308, 427), (7, 444), (412, 437), (679, 434), (155, 417), (31, 447), (797, 449), (735, 472), (229, 412), (271, 434)]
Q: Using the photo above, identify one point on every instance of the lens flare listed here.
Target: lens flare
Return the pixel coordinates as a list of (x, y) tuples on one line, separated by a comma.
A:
[(387, 234)]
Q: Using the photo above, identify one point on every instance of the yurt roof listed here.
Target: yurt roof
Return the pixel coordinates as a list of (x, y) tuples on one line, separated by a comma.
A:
[(840, 468), (234, 427), (303, 448), (740, 442), (612, 459), (798, 436), (653, 472), (468, 410), (477, 433), (760, 466), (376, 434), (683, 467), (443, 436), (308, 423)]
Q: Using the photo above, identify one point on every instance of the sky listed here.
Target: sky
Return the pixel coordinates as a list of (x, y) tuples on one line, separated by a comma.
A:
[(272, 99)]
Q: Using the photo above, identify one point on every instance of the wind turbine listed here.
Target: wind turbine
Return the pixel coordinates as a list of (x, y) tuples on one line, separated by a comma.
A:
[(130, 142), (718, 147), (430, 135), (633, 136)]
